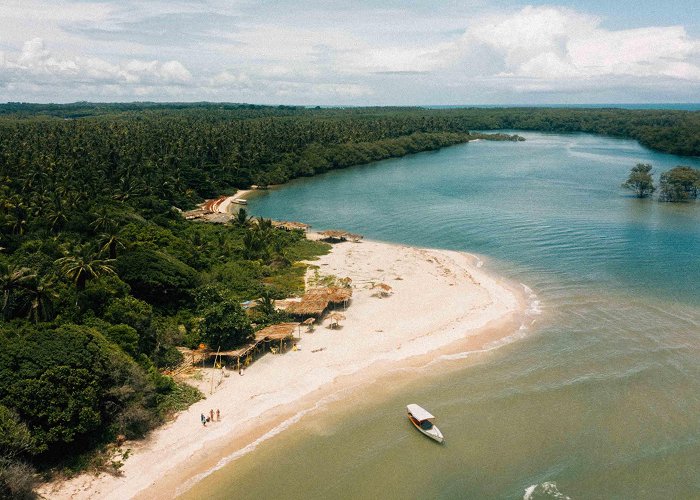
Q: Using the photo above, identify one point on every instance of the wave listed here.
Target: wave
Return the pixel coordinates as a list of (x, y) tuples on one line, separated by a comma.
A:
[(548, 489), (534, 306)]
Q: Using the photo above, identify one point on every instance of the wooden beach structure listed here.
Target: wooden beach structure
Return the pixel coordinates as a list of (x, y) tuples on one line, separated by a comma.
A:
[(336, 318), (316, 301), (334, 235), (265, 339), (290, 225), (384, 289)]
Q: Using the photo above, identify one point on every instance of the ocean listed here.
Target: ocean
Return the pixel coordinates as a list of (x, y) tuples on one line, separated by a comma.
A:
[(599, 399)]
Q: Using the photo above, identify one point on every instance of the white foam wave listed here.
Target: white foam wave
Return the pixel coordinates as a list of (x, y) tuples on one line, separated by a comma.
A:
[(534, 305), (491, 346), (529, 491), (548, 489)]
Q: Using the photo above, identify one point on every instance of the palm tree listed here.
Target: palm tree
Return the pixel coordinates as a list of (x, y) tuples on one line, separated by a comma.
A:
[(17, 214), (13, 280), (255, 245), (56, 217), (266, 304), (264, 225), (242, 218), (84, 266), (103, 221), (110, 241), (41, 298)]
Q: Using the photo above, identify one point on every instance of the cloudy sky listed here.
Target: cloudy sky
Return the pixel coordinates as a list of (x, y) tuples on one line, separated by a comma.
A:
[(328, 52)]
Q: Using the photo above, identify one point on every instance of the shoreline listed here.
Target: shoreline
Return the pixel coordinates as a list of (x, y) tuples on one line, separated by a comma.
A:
[(223, 207), (443, 307)]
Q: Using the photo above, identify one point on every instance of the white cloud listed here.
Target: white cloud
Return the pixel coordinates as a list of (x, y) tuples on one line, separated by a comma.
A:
[(37, 62), (229, 79), (321, 52), (552, 43)]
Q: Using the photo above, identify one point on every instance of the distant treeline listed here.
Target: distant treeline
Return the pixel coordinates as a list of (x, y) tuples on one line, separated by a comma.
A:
[(670, 131), (180, 155)]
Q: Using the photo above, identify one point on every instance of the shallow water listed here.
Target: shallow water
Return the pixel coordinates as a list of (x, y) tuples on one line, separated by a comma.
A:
[(600, 400)]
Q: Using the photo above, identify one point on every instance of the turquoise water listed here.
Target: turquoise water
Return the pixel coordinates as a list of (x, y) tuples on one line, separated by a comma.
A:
[(600, 400)]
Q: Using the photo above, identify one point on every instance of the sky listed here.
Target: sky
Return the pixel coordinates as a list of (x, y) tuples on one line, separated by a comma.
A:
[(363, 52)]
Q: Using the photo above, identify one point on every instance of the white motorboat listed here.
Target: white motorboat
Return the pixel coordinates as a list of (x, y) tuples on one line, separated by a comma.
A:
[(422, 420)]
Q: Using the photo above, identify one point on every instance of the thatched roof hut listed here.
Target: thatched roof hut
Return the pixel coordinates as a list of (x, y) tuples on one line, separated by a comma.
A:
[(240, 352), (289, 225), (308, 306), (337, 295), (280, 331), (336, 235), (315, 301)]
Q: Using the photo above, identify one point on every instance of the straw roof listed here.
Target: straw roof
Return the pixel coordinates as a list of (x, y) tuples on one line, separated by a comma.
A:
[(333, 294), (289, 225), (279, 331), (334, 234), (338, 294), (337, 316), (308, 321), (242, 351), (313, 306)]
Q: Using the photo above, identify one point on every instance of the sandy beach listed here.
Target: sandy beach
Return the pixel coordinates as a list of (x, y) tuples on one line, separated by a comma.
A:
[(223, 207), (440, 300)]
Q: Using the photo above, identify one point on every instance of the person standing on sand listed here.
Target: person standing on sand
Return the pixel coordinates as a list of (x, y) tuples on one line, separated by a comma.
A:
[(211, 415), (218, 415), (204, 420)]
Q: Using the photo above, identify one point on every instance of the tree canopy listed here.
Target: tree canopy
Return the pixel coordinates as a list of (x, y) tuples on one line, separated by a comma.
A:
[(679, 184), (640, 180)]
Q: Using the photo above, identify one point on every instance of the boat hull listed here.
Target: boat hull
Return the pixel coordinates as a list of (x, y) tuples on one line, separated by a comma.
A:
[(433, 433)]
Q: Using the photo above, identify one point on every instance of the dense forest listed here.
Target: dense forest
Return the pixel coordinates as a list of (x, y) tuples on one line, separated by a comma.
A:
[(102, 278)]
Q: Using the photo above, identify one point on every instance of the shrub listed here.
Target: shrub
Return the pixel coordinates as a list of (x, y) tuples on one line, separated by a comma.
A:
[(135, 421), (138, 315), (157, 277), (679, 184), (125, 337), (225, 325), (17, 480)]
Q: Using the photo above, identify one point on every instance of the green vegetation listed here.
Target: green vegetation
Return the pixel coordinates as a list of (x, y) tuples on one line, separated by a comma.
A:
[(640, 180), (679, 184), (101, 277)]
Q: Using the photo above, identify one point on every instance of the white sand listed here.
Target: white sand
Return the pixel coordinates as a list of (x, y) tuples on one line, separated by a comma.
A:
[(223, 207), (439, 298)]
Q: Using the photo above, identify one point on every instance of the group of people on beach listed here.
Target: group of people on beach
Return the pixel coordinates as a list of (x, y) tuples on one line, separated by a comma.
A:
[(210, 418)]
